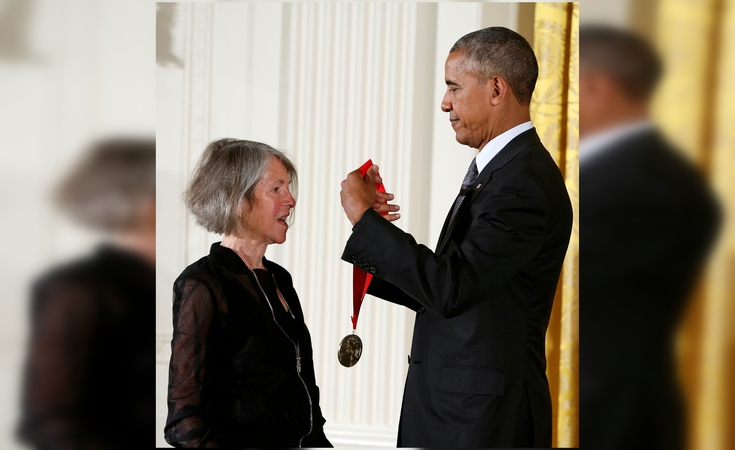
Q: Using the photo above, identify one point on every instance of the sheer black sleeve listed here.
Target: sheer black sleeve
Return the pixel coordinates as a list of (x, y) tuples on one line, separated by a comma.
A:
[(193, 314), (57, 371)]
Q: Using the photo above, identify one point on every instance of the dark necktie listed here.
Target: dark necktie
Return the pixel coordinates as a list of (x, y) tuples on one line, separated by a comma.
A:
[(469, 180)]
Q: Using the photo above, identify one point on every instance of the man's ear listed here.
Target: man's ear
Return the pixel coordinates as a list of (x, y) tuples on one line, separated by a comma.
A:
[(498, 89)]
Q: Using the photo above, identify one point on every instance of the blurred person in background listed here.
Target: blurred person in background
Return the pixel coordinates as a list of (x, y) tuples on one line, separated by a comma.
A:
[(241, 371), (89, 374), (649, 221)]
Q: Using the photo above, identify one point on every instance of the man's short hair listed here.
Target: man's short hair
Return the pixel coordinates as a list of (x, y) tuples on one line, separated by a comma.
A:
[(625, 57), (498, 51), (225, 176)]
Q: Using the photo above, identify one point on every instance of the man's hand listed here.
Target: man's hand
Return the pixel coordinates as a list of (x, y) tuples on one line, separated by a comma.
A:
[(359, 195)]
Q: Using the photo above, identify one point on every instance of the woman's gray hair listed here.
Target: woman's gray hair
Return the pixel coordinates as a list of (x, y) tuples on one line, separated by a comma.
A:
[(226, 174), (105, 190)]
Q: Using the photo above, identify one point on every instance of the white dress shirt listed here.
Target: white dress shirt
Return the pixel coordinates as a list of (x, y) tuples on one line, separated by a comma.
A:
[(599, 142), (492, 148)]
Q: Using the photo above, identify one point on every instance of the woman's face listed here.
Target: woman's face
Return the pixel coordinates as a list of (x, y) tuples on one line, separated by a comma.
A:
[(264, 218)]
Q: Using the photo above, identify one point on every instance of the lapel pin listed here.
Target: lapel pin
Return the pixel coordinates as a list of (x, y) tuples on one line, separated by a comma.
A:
[(478, 186)]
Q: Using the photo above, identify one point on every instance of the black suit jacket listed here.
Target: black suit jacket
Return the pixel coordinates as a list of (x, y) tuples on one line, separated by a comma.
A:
[(476, 373), (234, 379), (649, 219)]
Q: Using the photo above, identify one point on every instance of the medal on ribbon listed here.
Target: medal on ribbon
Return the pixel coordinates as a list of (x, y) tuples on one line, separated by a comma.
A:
[(350, 349)]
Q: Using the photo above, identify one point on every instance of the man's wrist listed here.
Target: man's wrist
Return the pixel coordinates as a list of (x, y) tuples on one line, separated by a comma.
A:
[(357, 219), (354, 224)]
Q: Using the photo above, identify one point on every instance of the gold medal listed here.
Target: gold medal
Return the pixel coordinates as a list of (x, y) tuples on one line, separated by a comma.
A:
[(350, 350)]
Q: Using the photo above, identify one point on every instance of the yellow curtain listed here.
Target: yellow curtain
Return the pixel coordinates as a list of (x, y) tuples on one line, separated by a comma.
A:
[(555, 113), (696, 39)]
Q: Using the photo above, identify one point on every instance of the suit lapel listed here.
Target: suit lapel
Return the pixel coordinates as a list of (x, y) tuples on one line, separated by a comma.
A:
[(443, 232), (481, 180), (510, 151)]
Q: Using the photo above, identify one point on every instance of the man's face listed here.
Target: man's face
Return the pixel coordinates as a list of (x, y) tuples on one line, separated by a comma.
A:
[(468, 103), (603, 104), (594, 101)]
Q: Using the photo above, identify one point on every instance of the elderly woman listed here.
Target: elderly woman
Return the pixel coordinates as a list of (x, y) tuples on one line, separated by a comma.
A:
[(241, 372), (87, 367)]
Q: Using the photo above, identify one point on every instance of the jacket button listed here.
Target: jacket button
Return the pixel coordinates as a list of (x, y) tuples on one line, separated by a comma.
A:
[(422, 310)]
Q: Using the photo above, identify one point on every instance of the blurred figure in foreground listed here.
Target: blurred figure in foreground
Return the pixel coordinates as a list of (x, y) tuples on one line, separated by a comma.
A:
[(649, 220), (89, 374)]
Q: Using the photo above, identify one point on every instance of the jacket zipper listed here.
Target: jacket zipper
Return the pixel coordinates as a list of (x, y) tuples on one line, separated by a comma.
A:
[(298, 352)]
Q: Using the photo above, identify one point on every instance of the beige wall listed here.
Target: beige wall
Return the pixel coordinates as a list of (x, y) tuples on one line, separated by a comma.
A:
[(635, 15)]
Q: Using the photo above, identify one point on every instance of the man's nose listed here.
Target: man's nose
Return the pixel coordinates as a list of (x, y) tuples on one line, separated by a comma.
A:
[(446, 105)]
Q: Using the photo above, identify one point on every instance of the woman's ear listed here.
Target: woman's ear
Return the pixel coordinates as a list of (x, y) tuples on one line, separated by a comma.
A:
[(243, 209), (241, 214)]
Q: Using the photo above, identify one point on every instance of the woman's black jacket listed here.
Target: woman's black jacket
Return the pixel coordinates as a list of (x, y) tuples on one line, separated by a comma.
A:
[(241, 371)]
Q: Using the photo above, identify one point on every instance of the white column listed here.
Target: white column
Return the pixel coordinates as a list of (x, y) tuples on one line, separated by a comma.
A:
[(349, 96)]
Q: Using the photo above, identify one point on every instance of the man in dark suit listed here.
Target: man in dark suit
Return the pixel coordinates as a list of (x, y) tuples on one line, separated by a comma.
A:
[(483, 299), (649, 219)]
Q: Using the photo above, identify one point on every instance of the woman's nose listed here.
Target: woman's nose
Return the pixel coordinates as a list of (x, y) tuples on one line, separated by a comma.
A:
[(290, 201)]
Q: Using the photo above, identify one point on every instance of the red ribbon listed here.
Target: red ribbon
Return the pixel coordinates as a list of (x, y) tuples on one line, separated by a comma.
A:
[(361, 279)]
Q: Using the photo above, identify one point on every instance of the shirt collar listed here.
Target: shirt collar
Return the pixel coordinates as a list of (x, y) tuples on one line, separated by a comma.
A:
[(597, 143), (497, 143)]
